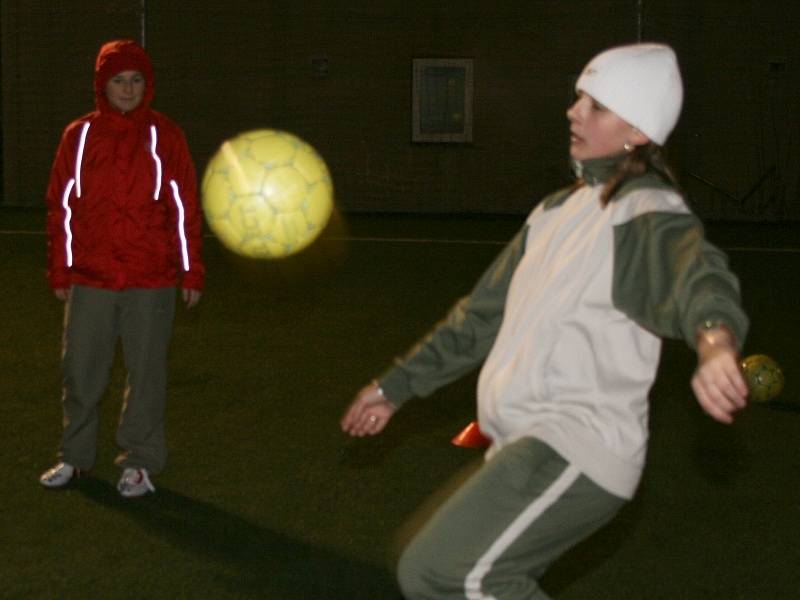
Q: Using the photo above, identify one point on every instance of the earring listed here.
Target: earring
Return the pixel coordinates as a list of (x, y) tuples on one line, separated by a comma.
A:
[(628, 146)]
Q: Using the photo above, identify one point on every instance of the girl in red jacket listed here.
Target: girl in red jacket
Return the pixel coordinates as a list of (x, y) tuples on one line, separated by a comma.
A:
[(124, 229)]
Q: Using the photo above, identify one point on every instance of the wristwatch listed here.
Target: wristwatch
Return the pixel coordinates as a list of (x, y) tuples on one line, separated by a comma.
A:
[(710, 324), (715, 332)]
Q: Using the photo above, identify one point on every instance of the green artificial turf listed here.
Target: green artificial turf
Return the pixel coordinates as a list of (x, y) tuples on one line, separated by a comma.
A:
[(264, 497)]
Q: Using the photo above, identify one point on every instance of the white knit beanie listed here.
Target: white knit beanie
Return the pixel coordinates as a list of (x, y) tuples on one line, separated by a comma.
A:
[(641, 83)]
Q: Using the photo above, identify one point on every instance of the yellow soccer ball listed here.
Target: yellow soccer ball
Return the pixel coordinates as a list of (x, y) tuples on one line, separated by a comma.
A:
[(267, 194), (764, 377)]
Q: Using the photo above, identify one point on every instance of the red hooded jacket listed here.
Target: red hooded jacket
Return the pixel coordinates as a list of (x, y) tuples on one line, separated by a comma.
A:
[(122, 198)]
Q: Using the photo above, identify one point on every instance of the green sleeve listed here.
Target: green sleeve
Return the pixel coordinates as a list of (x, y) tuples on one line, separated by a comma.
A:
[(462, 340), (670, 279)]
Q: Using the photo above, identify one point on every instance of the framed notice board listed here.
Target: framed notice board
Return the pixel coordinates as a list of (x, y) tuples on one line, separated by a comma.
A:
[(442, 100)]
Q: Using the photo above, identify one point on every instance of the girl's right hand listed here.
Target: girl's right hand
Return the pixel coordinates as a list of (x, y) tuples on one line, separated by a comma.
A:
[(718, 383), (368, 413)]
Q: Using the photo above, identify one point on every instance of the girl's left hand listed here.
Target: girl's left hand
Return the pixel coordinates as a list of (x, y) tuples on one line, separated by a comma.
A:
[(718, 382)]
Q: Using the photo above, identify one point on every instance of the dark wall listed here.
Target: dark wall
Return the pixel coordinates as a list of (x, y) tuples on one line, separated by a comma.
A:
[(226, 67)]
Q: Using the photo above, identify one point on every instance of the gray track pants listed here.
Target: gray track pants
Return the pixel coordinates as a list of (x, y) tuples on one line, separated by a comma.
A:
[(94, 321), (499, 532)]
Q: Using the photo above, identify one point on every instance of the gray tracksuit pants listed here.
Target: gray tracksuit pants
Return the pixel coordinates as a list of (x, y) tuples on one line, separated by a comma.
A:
[(499, 532), (94, 321)]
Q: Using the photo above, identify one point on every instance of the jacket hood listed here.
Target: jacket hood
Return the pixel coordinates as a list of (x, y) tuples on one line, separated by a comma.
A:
[(117, 56)]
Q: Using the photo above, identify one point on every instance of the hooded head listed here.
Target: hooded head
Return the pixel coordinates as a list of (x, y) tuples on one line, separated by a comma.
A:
[(641, 83), (118, 56)]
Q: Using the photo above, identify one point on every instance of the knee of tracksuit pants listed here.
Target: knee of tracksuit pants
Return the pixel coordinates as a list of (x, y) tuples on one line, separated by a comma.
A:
[(425, 575), (414, 579)]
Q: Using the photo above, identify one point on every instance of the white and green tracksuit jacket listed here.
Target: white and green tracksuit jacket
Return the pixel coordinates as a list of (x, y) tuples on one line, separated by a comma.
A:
[(569, 320)]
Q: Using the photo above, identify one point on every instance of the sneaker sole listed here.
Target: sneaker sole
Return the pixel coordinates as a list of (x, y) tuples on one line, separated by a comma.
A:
[(137, 495)]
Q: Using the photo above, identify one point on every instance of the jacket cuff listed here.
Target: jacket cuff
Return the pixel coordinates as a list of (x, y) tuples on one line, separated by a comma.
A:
[(396, 387), (192, 282), (59, 280), (736, 327)]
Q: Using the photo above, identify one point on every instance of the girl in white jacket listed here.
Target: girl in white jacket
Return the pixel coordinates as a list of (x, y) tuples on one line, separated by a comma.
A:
[(568, 322)]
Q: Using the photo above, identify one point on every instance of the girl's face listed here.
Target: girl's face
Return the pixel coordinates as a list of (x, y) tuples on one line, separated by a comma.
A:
[(597, 132), (125, 90)]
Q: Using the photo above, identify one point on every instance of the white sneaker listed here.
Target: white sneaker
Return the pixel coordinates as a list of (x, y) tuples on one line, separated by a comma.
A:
[(58, 476), (134, 483)]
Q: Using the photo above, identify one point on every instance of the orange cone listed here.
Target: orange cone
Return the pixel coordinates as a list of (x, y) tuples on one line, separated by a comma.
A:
[(471, 437)]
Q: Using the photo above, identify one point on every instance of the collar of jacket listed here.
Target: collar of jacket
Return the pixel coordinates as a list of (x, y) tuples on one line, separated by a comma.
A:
[(597, 170)]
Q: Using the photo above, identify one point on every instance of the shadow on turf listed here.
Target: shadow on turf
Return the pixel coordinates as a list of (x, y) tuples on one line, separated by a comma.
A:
[(784, 406), (253, 559)]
